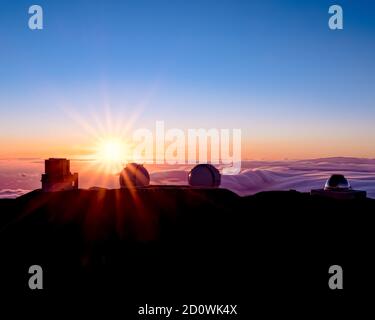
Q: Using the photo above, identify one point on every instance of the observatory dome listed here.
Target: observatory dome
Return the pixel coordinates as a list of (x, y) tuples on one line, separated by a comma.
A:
[(337, 182), (204, 175), (134, 175)]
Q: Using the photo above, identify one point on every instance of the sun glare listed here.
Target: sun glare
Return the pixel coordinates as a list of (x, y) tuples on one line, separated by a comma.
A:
[(108, 142), (112, 154)]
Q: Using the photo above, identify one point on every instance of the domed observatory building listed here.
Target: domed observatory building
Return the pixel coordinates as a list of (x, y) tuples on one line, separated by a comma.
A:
[(338, 187), (337, 182), (204, 175), (134, 176)]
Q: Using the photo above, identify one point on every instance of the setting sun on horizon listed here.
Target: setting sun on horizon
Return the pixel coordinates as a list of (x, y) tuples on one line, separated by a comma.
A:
[(112, 153)]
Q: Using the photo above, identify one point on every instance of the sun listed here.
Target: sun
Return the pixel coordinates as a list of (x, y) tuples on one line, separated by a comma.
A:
[(107, 144), (112, 153)]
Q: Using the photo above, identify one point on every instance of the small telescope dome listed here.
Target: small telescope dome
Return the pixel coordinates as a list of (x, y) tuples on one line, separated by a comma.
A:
[(204, 175), (337, 182), (134, 175)]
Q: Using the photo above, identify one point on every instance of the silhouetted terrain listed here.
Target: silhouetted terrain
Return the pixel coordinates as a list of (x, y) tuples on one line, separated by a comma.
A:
[(180, 244)]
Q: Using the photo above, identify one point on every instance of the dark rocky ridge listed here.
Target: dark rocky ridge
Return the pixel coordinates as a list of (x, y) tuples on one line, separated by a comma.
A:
[(178, 244)]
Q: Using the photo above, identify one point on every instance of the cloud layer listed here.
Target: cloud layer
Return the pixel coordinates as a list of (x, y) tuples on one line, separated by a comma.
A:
[(302, 175), (12, 193), (17, 177)]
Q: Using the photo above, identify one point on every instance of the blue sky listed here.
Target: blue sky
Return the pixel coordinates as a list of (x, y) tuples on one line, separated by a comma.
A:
[(272, 68)]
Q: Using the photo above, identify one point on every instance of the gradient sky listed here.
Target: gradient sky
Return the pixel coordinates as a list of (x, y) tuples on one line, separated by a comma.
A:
[(272, 68)]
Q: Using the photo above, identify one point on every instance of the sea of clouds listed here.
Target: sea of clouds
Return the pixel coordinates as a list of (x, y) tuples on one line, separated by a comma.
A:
[(19, 176)]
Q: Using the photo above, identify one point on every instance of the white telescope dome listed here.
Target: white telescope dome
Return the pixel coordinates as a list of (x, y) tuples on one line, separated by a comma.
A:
[(337, 182), (134, 175), (204, 175)]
